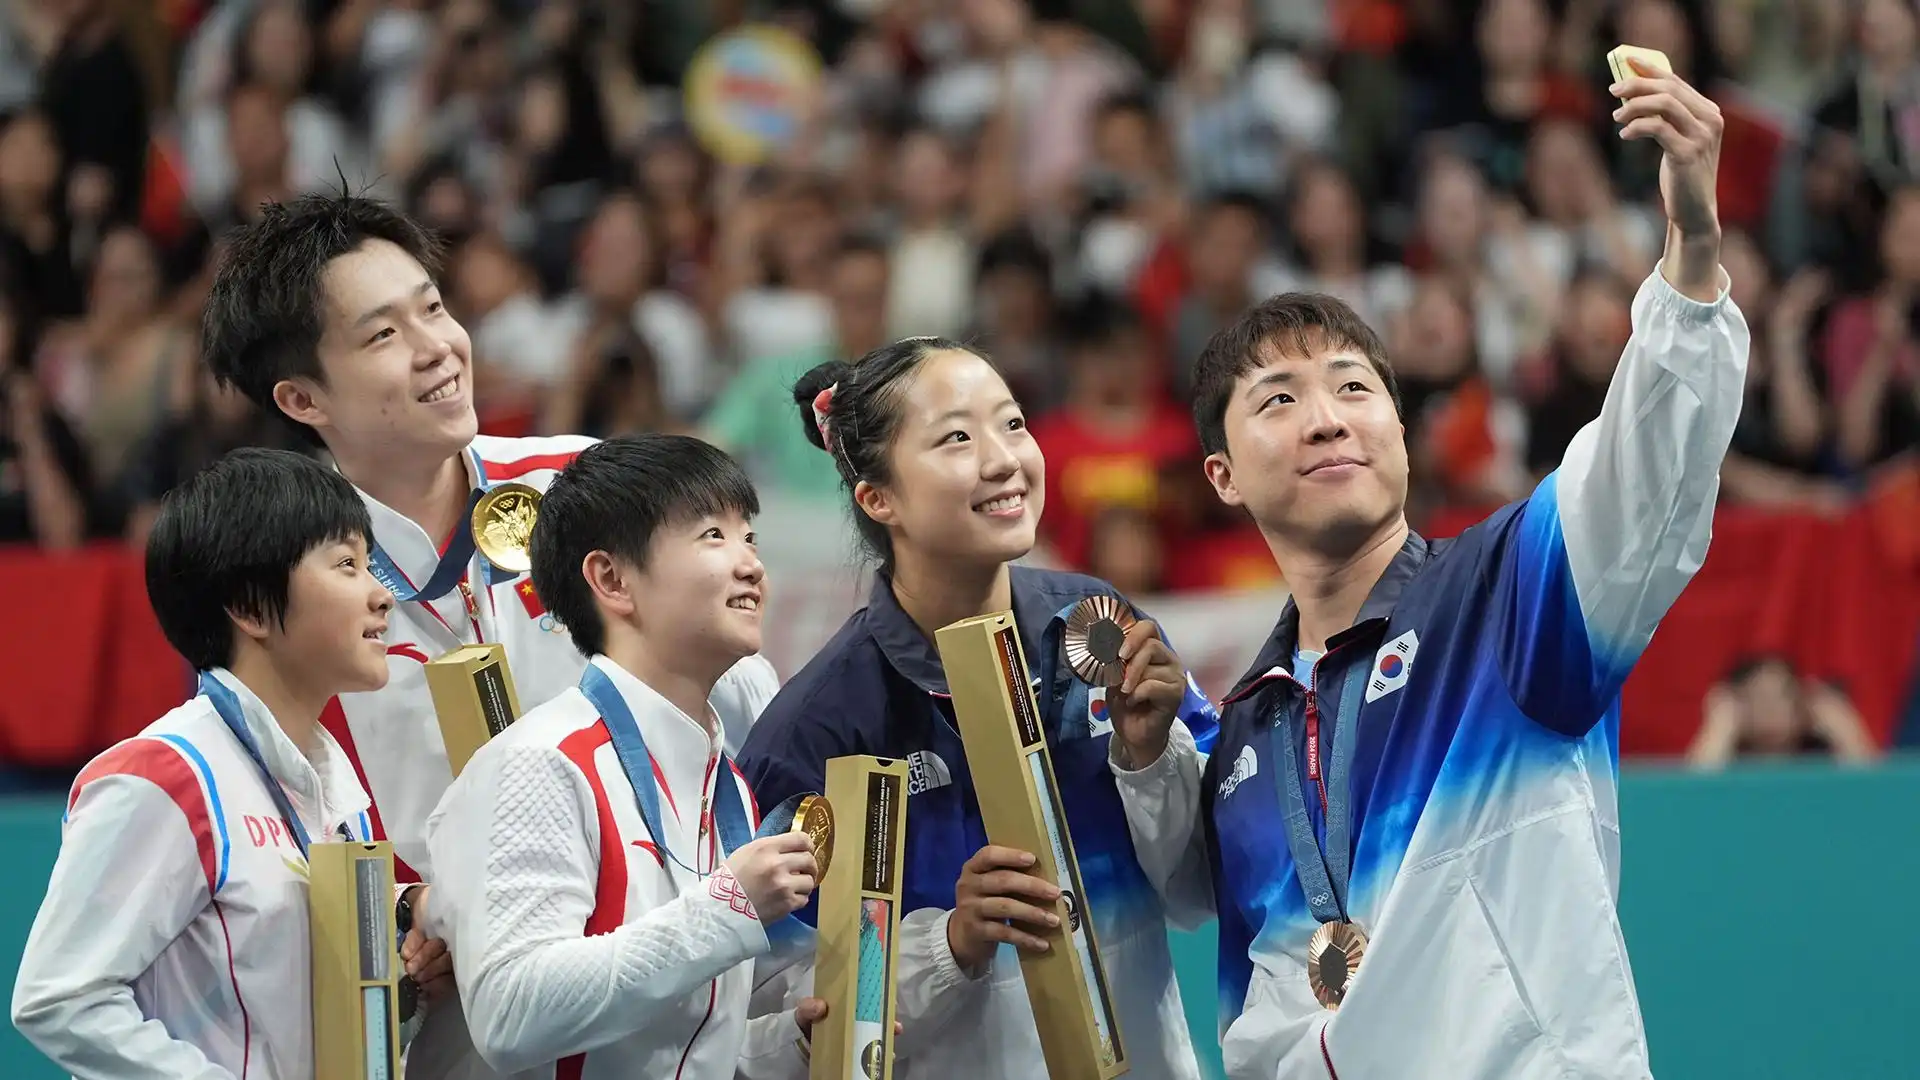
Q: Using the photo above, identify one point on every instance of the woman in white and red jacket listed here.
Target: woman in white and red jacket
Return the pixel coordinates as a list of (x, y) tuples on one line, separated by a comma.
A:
[(173, 941), (596, 871)]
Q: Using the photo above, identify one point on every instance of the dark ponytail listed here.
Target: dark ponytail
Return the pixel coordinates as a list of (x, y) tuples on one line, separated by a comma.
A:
[(862, 417)]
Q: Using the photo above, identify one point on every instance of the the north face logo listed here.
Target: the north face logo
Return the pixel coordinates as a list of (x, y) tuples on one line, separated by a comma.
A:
[(925, 771), (1245, 767)]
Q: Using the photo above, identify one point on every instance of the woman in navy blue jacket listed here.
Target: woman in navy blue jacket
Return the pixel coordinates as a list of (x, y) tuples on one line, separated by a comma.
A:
[(947, 488)]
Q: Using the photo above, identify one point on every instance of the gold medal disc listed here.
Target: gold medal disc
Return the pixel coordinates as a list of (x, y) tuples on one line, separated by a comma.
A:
[(503, 526), (1096, 628), (814, 817), (1333, 956)]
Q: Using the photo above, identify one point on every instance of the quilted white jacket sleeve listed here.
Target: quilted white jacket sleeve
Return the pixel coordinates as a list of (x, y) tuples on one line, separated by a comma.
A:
[(514, 891)]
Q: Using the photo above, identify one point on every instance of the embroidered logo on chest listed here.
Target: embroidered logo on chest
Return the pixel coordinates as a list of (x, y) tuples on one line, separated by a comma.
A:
[(1391, 665), (926, 771), (1245, 767)]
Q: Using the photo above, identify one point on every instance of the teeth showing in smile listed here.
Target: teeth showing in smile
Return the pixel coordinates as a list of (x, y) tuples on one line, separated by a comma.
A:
[(1005, 502), (372, 635), (451, 388), (744, 603)]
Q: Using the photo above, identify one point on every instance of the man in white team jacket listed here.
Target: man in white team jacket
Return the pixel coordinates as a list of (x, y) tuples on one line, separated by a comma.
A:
[(327, 310)]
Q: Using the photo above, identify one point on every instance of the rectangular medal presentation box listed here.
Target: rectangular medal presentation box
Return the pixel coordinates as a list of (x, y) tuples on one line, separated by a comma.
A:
[(473, 696), (356, 961), (859, 920), (1020, 804)]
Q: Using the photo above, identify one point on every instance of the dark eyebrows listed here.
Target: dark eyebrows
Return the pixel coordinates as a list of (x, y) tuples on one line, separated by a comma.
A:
[(1285, 376), (962, 414), (386, 310), (1273, 378)]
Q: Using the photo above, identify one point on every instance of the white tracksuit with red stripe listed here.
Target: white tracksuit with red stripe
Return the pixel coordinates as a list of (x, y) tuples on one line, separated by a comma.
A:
[(583, 953), (173, 938), (393, 734)]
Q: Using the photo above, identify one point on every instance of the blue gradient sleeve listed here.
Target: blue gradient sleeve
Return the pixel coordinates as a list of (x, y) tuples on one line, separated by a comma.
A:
[(1608, 541), (1539, 638)]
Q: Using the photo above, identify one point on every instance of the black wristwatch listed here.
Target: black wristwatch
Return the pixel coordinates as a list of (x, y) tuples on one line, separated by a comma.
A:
[(403, 911), (403, 924)]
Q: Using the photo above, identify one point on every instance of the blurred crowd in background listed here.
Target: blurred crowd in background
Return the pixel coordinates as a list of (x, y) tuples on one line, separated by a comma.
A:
[(1085, 188)]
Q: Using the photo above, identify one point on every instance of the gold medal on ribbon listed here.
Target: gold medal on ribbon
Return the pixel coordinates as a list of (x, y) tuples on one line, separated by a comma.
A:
[(1096, 628), (1333, 956), (814, 817), (503, 526)]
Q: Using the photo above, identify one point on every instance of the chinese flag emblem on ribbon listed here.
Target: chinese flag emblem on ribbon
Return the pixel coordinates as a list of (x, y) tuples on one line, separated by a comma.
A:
[(531, 599)]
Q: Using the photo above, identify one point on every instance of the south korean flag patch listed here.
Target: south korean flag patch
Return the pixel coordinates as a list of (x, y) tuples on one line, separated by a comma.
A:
[(1391, 665), (1098, 722)]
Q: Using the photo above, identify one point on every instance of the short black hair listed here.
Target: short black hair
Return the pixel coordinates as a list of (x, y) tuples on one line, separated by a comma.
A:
[(613, 497), (864, 419), (1014, 249), (1097, 322), (1291, 324), (226, 542), (266, 309)]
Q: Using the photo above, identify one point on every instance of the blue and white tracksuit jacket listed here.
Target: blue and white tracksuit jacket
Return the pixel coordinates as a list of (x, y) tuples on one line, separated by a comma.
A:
[(1484, 760)]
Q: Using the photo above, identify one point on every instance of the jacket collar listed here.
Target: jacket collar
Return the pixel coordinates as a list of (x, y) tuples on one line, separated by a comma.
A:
[(913, 654), (1277, 654), (682, 747), (405, 542), (322, 786)]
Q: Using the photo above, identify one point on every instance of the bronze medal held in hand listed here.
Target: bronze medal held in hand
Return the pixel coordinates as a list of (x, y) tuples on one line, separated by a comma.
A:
[(814, 817), (1096, 628), (503, 526), (1333, 957)]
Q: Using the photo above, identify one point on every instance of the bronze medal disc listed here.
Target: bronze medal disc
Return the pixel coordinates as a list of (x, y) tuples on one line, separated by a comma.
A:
[(1096, 628), (814, 817), (503, 526), (1333, 957)]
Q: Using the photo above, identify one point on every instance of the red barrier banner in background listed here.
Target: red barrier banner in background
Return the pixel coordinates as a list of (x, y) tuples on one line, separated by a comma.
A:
[(85, 663)]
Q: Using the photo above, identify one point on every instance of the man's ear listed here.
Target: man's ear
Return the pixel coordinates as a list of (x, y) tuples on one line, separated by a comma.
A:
[(302, 400), (875, 502), (1219, 469), (608, 581)]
